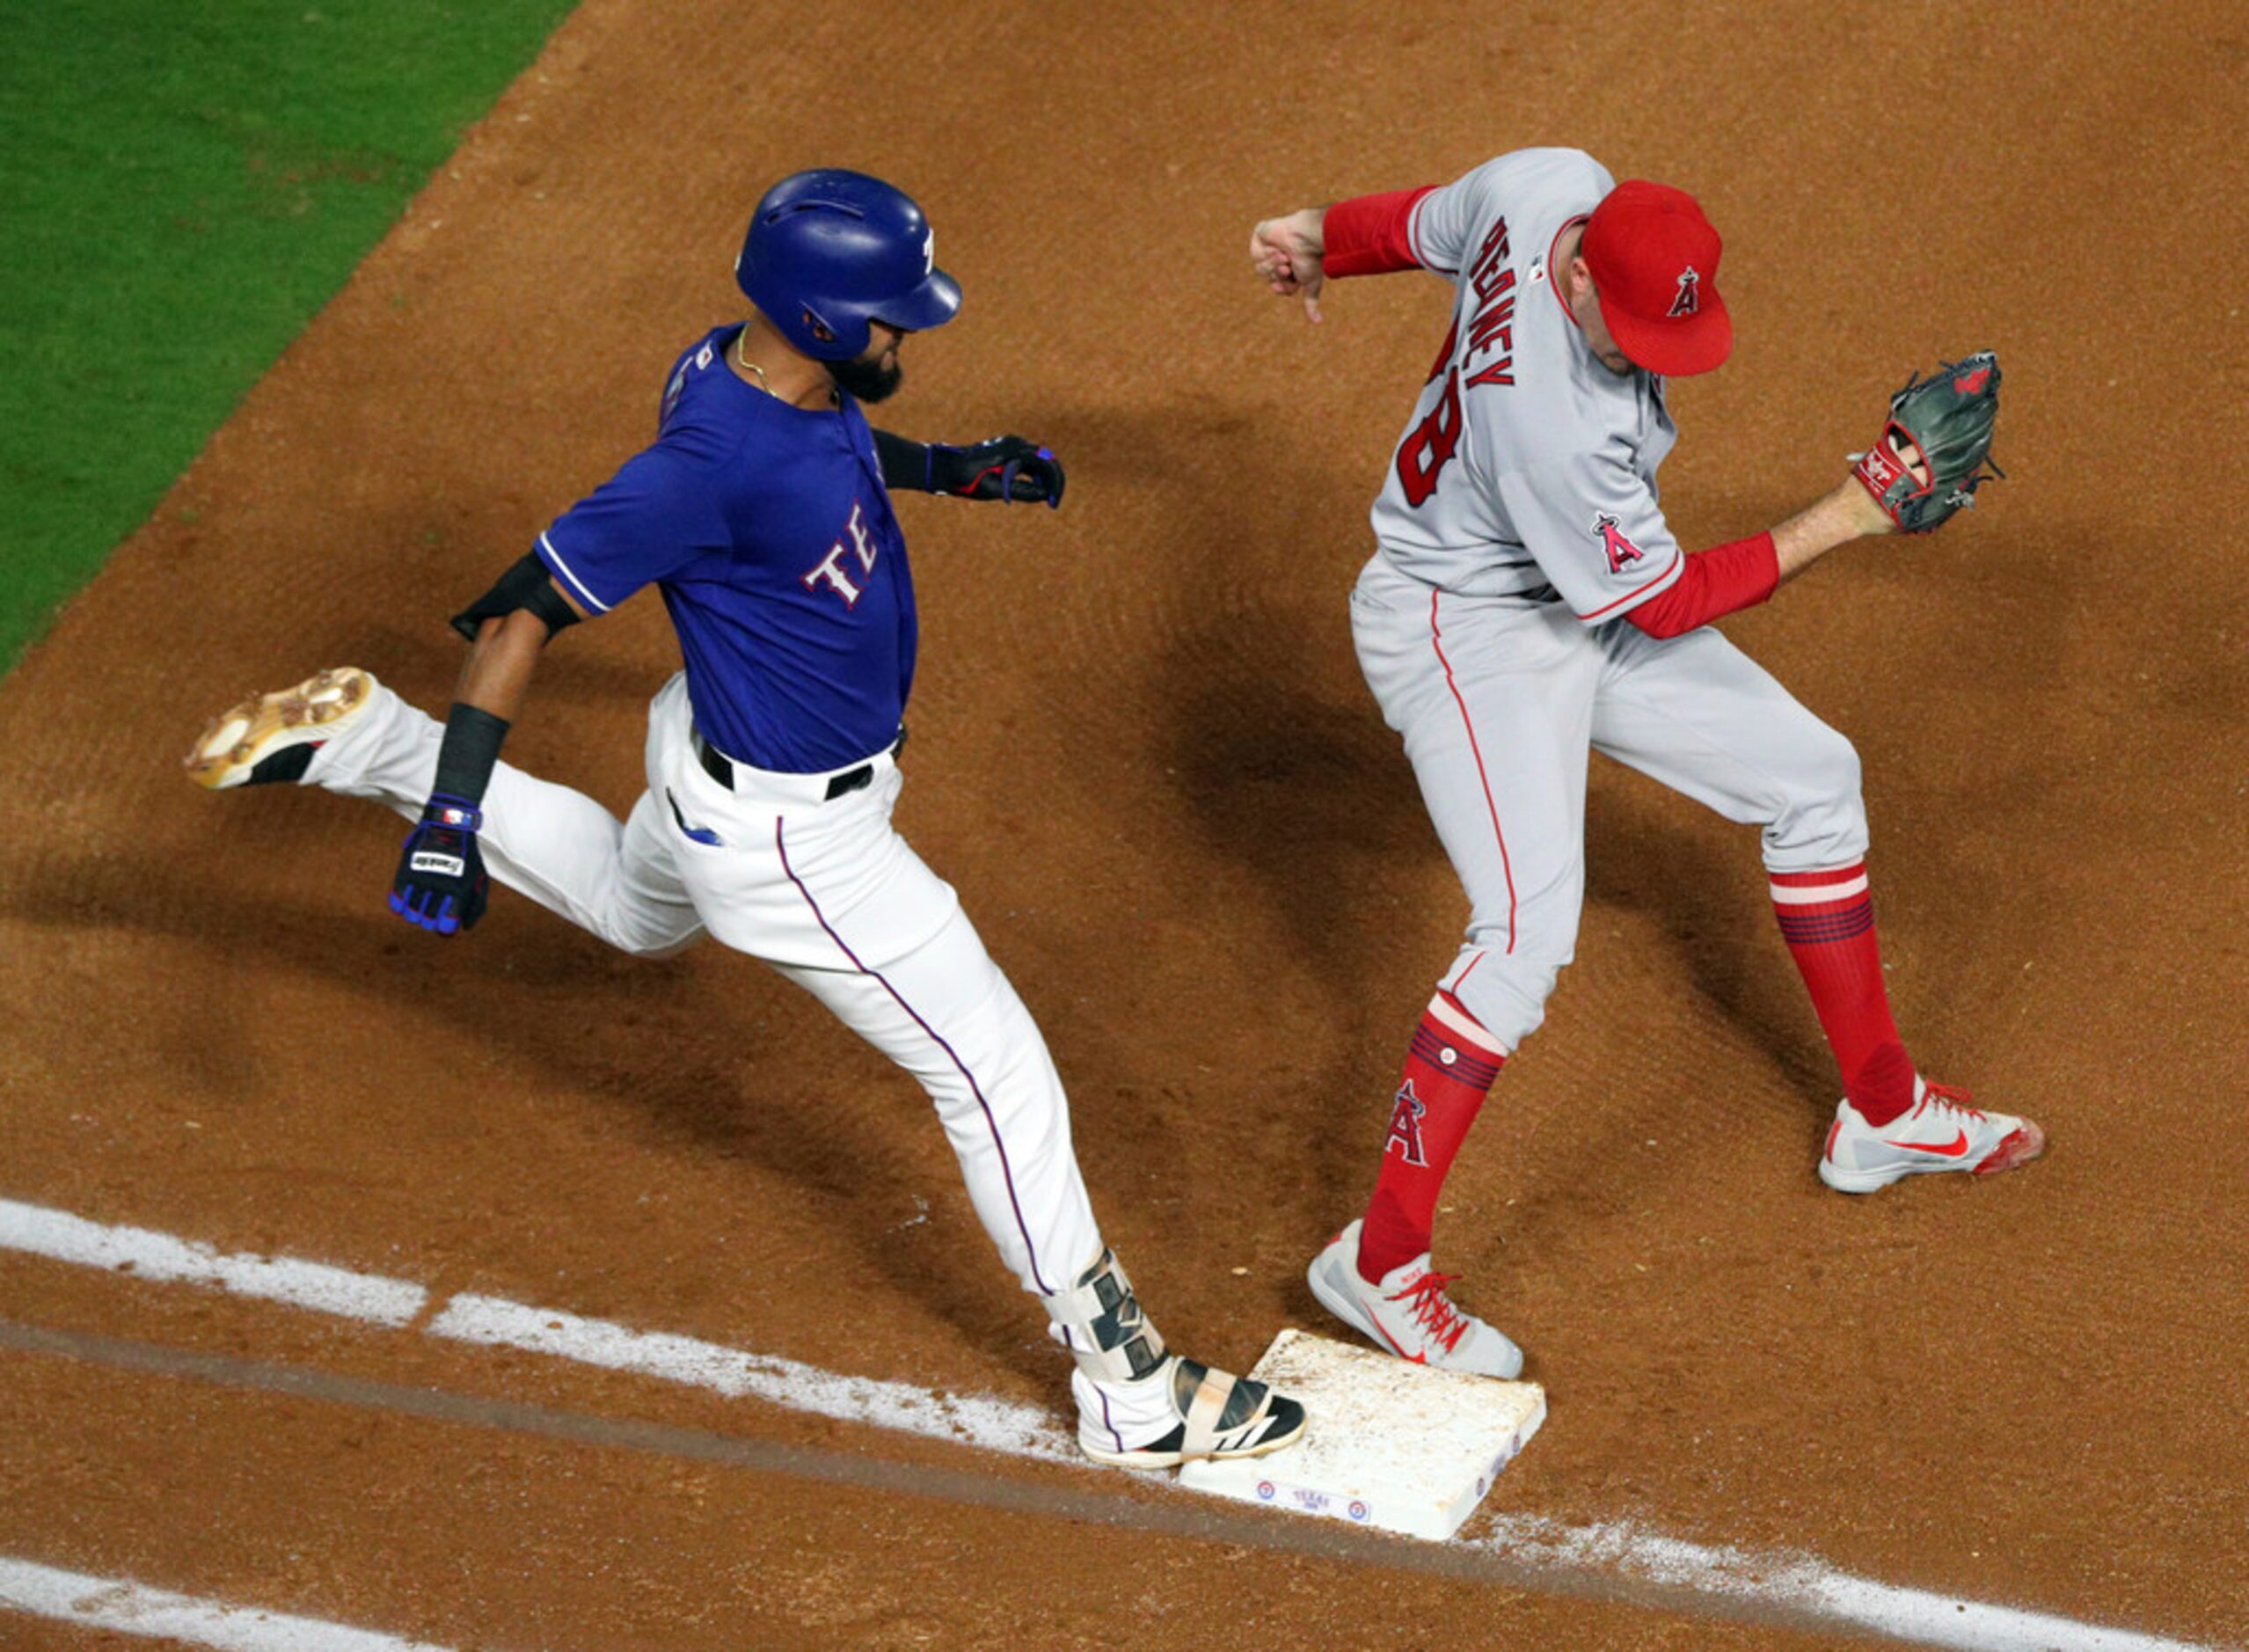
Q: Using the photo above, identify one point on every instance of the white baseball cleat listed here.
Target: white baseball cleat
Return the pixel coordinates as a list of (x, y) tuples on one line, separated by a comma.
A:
[(1942, 1132), (1409, 1313), (1140, 1406), (1180, 1412), (270, 738)]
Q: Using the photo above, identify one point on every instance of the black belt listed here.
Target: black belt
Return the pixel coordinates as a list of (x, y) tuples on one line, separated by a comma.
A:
[(720, 767)]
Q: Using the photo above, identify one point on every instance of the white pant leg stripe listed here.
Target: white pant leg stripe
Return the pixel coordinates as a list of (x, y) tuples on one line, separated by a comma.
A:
[(1799, 895), (1466, 1028)]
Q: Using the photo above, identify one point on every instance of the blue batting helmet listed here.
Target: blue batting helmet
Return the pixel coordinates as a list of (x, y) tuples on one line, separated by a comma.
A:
[(830, 251)]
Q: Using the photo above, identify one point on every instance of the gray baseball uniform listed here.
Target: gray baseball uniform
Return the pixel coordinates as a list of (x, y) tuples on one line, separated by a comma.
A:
[(1519, 522)]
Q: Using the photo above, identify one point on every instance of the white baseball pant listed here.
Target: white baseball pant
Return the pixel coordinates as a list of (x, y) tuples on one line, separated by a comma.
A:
[(826, 893)]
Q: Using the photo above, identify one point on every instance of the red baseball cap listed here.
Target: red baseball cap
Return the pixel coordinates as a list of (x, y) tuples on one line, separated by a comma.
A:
[(1655, 262)]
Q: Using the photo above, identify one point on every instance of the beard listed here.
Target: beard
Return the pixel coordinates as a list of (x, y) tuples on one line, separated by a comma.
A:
[(866, 379)]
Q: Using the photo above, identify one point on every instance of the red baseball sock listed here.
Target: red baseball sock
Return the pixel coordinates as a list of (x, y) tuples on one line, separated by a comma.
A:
[(1448, 1070), (1827, 920)]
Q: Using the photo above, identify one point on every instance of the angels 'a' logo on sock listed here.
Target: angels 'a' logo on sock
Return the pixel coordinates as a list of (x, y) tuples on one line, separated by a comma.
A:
[(1688, 300), (1620, 550), (1405, 1126)]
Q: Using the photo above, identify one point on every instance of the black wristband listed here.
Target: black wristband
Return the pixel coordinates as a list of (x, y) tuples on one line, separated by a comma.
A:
[(471, 749)]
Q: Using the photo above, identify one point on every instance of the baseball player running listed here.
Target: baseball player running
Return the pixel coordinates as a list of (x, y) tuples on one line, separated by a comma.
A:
[(1526, 603), (762, 514)]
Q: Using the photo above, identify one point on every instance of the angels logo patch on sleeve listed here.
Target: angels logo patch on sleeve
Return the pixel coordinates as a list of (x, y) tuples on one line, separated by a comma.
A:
[(1621, 551)]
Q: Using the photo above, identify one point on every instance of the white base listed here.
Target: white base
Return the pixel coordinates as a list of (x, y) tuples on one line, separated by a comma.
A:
[(1388, 1444)]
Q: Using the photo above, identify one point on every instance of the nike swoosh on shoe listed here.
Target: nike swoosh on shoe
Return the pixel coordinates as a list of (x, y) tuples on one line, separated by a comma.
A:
[(1953, 1149)]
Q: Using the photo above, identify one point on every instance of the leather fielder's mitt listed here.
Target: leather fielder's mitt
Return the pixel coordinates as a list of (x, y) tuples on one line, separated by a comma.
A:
[(1933, 454)]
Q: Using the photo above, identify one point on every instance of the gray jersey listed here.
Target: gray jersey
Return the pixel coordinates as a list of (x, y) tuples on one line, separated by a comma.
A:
[(1527, 468)]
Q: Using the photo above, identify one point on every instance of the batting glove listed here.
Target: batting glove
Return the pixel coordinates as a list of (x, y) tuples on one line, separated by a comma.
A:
[(1014, 470), (442, 884)]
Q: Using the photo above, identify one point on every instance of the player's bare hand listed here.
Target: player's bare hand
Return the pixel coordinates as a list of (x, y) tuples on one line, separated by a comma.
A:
[(1858, 511), (1286, 254)]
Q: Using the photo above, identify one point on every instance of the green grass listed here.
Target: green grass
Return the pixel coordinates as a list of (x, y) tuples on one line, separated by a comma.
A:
[(181, 187)]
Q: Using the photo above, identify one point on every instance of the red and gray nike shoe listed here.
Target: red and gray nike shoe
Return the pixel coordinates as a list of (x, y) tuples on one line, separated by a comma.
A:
[(1408, 1312), (1942, 1132)]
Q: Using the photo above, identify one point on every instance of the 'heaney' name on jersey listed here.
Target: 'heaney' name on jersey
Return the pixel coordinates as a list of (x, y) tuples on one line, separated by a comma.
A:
[(1527, 468)]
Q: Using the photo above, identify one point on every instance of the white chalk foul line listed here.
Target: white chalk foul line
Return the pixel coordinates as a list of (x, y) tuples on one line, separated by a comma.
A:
[(996, 1425), (1795, 1584), (129, 1608), (1804, 1583), (151, 1255)]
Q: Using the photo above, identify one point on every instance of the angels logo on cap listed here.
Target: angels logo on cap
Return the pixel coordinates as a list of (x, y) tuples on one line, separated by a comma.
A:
[(1653, 258)]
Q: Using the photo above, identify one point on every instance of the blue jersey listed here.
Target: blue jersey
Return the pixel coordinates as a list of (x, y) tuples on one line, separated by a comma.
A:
[(769, 532)]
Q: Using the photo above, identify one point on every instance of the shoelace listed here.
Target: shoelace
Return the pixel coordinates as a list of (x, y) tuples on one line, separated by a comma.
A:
[(1950, 1099), (1433, 1310)]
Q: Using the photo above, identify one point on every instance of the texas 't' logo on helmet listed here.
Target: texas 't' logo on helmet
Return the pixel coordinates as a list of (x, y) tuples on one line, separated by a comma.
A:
[(1688, 300), (1619, 550)]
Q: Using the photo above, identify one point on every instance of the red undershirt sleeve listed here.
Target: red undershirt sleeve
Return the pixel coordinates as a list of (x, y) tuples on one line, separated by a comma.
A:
[(1721, 580), (1371, 235)]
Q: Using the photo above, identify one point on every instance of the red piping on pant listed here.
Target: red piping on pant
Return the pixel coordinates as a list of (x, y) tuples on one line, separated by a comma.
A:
[(1437, 641)]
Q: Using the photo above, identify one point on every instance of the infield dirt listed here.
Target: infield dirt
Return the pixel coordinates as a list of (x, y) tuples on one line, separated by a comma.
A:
[(1143, 751)]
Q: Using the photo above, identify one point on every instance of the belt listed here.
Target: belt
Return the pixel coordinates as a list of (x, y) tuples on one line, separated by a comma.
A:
[(720, 767)]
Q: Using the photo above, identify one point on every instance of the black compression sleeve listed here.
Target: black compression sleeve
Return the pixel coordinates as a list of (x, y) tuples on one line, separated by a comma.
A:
[(905, 464), (470, 752)]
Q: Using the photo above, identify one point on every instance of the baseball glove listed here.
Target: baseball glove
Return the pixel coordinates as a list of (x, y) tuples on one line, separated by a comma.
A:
[(1933, 454)]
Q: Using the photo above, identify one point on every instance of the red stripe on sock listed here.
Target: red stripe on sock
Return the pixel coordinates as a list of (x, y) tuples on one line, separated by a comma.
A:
[(1822, 907)]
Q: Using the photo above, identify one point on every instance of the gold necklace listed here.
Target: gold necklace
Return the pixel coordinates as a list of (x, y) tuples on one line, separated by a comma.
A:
[(748, 364)]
